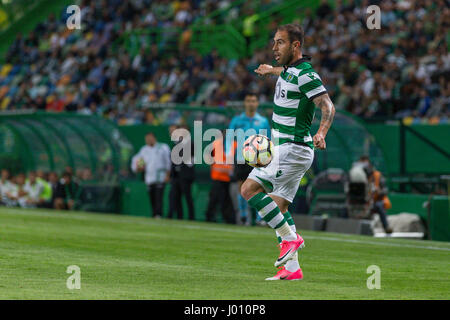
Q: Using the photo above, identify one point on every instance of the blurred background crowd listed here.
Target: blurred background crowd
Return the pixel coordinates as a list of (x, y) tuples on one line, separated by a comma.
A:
[(39, 189), (398, 72)]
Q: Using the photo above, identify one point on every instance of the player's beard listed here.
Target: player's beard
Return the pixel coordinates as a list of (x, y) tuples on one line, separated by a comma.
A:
[(288, 59)]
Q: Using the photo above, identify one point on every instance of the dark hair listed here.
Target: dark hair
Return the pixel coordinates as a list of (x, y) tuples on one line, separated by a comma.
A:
[(150, 133), (364, 158), (368, 169), (251, 94), (66, 174), (295, 32)]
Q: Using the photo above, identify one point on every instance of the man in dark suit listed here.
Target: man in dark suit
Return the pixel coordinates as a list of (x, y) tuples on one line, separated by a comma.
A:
[(182, 176)]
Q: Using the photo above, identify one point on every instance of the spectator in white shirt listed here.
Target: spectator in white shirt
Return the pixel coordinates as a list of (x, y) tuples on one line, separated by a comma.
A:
[(5, 186), (154, 160), (34, 191), (15, 194)]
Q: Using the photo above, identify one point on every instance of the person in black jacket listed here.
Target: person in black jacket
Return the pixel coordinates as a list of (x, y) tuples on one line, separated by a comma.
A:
[(182, 176), (67, 193)]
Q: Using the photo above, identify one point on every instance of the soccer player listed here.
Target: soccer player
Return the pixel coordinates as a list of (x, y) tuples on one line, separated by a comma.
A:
[(270, 190), (249, 119)]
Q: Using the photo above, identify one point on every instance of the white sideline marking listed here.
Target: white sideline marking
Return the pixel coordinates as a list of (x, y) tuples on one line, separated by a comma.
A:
[(378, 243), (411, 235), (179, 224), (326, 238)]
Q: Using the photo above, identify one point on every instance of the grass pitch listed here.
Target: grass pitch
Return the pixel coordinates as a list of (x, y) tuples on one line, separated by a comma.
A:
[(122, 257)]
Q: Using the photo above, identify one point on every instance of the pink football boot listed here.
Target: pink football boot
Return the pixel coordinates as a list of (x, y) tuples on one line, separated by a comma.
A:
[(288, 249), (283, 274)]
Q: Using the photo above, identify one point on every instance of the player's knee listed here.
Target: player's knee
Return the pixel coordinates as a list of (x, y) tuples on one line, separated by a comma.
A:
[(246, 192), (249, 188)]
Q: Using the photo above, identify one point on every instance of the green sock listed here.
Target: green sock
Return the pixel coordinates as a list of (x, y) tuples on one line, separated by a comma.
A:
[(270, 213)]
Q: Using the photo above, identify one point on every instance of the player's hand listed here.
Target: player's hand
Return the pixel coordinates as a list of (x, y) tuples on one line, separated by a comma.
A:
[(319, 141), (264, 69)]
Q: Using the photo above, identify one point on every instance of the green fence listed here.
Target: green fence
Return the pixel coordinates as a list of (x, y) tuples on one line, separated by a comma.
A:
[(409, 203), (417, 156), (413, 149), (439, 220)]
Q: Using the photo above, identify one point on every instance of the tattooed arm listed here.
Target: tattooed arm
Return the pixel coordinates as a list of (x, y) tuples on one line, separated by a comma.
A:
[(324, 103)]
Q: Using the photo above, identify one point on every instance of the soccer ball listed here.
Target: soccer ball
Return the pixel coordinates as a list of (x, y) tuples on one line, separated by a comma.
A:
[(258, 151), (140, 163)]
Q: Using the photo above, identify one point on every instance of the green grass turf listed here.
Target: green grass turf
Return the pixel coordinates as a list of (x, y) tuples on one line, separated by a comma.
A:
[(123, 257)]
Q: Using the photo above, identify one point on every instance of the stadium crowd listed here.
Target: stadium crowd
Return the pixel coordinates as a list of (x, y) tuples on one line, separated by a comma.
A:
[(39, 189), (400, 71)]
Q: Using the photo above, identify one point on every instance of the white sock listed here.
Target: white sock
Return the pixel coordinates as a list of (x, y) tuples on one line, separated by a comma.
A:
[(286, 233), (291, 265)]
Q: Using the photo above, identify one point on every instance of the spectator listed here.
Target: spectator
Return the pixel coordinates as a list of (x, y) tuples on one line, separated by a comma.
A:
[(219, 195), (154, 160), (67, 193), (324, 9), (86, 175), (47, 189), (19, 195), (6, 186), (53, 181), (92, 77), (12, 193), (379, 193), (182, 176), (34, 190)]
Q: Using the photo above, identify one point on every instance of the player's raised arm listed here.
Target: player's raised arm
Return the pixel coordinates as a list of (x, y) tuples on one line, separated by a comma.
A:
[(326, 105), (266, 69)]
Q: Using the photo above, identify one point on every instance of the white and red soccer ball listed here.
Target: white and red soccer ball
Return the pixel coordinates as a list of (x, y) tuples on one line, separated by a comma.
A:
[(258, 151)]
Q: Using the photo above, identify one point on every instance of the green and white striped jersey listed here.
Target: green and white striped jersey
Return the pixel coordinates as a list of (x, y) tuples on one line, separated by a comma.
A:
[(294, 109)]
